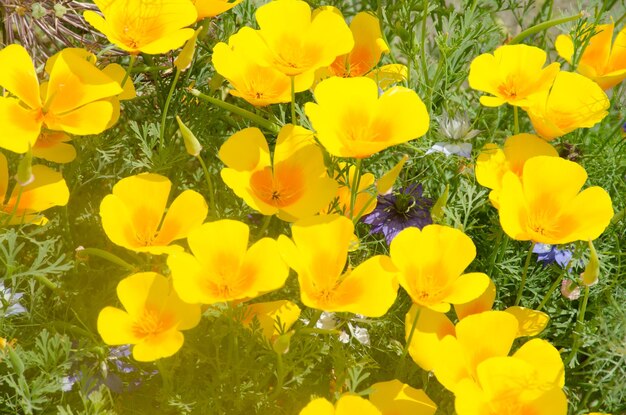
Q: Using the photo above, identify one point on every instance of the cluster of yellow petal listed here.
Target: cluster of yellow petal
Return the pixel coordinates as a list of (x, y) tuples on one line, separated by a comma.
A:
[(318, 253), (78, 98), (152, 320), (48, 189), (392, 397), (293, 185)]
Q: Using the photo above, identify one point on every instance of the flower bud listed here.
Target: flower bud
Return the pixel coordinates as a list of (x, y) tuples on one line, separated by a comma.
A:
[(192, 145)]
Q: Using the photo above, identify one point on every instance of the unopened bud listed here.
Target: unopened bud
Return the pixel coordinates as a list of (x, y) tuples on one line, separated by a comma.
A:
[(592, 270), (25, 174), (192, 145), (281, 344)]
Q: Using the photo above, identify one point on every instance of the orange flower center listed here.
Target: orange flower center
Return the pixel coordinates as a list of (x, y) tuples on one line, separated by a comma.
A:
[(280, 188), (152, 322)]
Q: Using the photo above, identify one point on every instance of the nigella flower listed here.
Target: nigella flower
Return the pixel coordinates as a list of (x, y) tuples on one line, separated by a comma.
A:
[(624, 129), (549, 254), (9, 302), (458, 130), (399, 210)]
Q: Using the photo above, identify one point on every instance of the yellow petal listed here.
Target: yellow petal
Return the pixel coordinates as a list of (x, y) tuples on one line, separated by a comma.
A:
[(138, 289), (387, 75), (319, 406), (116, 327), (397, 397), (513, 208), (491, 166), (264, 267), (564, 47), (546, 360), (20, 127), (478, 305), (522, 147), (211, 8), (531, 322), (172, 41), (245, 150), (52, 146), (352, 404), (598, 49), (47, 190), (430, 329), (368, 44), (164, 344), (186, 213), (468, 287), (587, 215), (118, 222), (117, 73), (18, 76), (4, 178), (92, 118), (385, 183), (271, 313), (187, 277)]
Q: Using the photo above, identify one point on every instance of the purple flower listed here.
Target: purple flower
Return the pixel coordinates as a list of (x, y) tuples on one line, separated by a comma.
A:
[(549, 254), (399, 210)]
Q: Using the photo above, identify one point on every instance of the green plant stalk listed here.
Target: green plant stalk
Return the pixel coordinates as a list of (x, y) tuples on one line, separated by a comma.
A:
[(553, 287), (131, 63), (354, 188), (405, 350), (109, 257), (264, 226), (515, 120), (423, 44), (280, 376), (542, 26), (166, 108), (316, 316), (579, 326), (524, 273), (294, 121), (209, 183), (262, 122)]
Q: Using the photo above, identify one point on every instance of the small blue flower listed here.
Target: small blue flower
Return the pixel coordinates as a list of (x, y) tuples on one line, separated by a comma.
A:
[(399, 210), (549, 254)]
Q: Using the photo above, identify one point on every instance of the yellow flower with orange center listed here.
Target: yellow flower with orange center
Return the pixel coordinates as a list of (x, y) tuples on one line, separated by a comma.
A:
[(351, 119), (73, 100), (132, 216), (48, 189), (147, 26), (511, 75), (369, 289), (545, 203), (223, 268), (603, 60), (293, 185), (152, 320)]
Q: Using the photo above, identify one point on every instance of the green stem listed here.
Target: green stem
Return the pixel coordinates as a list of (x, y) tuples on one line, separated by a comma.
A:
[(354, 188), (579, 327), (524, 273), (209, 183), (268, 125), (280, 376), (131, 63), (423, 44), (316, 316), (553, 287), (405, 350), (45, 281), (266, 224), (515, 120), (165, 376), (109, 257), (542, 26), (293, 101), (166, 108), (148, 68)]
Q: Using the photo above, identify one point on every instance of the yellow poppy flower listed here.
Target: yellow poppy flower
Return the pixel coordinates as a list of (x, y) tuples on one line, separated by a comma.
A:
[(433, 278), (352, 120), (294, 43), (368, 289), (153, 318), (223, 268), (147, 26), (346, 405), (211, 8), (293, 185), (397, 398), (512, 74), (270, 315), (493, 162), (259, 85), (74, 99), (369, 46), (573, 102), (48, 189), (131, 215), (546, 205), (601, 62)]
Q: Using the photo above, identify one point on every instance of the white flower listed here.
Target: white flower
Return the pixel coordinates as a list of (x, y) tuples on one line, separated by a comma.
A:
[(9, 302)]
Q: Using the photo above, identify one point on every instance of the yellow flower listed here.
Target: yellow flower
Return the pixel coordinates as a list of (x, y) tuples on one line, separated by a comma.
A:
[(369, 46), (259, 85), (600, 62), (434, 278), (397, 398), (131, 215), (351, 120), (573, 102), (368, 289), (512, 74), (546, 205), (346, 405), (211, 8), (293, 185), (292, 42), (493, 162), (153, 318), (222, 268), (270, 314), (47, 190), (73, 100), (147, 26)]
